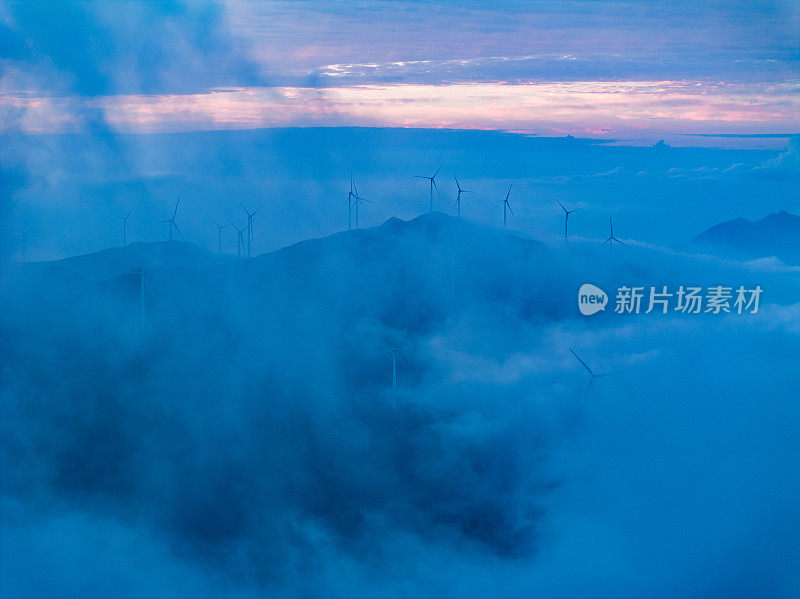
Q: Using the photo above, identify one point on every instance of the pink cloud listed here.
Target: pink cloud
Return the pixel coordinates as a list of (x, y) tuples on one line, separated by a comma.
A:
[(555, 107)]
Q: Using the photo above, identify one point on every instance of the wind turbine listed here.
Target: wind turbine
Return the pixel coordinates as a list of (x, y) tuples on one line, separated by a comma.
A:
[(219, 233), (433, 183), (125, 229), (353, 195), (171, 221), (458, 197), (507, 206), (591, 372), (240, 245), (250, 216), (611, 238), (350, 196), (566, 219)]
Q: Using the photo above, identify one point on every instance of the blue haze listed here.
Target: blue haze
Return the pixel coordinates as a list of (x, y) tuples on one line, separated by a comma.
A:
[(239, 441), (70, 192)]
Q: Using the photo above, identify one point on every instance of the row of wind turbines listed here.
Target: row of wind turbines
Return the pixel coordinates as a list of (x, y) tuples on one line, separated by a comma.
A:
[(506, 205), (244, 242), (354, 201)]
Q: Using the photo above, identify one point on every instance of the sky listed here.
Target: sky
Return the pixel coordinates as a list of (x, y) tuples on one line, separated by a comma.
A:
[(599, 69)]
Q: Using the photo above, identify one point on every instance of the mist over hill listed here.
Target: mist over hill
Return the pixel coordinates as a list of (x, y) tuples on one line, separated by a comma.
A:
[(230, 423)]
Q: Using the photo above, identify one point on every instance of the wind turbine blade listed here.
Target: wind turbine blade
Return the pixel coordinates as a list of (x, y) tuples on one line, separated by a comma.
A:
[(509, 193), (177, 229), (510, 210), (169, 220), (256, 212), (176, 207), (562, 206), (457, 185), (589, 370), (437, 172), (622, 242)]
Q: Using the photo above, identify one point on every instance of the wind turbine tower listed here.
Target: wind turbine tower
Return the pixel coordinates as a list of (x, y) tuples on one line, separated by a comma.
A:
[(125, 229), (250, 216), (566, 219), (219, 233), (350, 196), (171, 221), (432, 185), (240, 245), (458, 197)]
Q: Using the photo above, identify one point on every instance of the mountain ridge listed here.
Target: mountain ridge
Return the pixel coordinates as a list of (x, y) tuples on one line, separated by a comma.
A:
[(777, 234)]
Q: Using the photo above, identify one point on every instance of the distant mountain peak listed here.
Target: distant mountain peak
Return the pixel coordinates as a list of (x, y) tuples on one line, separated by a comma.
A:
[(777, 234), (780, 217)]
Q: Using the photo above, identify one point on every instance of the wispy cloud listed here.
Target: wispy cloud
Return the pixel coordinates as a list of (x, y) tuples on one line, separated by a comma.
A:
[(421, 40), (583, 67)]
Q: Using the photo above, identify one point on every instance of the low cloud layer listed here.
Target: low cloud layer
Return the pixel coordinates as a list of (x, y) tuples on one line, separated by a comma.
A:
[(245, 441)]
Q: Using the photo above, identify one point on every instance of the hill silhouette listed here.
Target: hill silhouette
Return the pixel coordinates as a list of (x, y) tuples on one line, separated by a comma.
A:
[(775, 235)]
